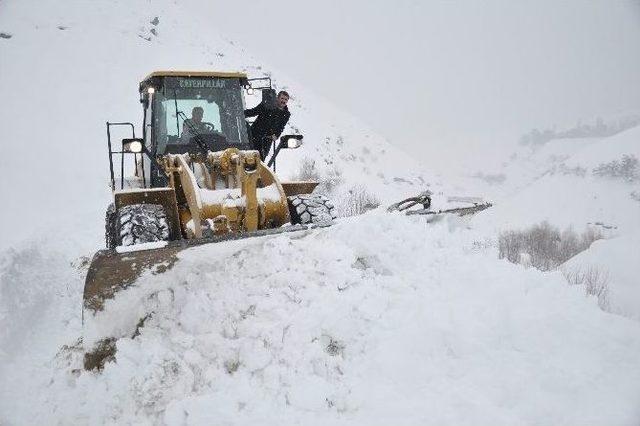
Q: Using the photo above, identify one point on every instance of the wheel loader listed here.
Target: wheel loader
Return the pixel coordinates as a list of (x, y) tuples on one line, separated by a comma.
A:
[(193, 183), (188, 181)]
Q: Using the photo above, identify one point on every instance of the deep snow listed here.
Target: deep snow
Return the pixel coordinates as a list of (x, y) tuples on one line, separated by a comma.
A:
[(419, 325)]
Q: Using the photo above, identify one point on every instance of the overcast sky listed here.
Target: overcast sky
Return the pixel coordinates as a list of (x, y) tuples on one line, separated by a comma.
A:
[(438, 75)]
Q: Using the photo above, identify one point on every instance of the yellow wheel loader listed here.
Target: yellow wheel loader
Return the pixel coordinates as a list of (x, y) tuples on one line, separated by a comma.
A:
[(193, 180)]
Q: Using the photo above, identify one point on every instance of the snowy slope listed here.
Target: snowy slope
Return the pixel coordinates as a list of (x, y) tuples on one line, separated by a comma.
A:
[(557, 183), (380, 319), (616, 259), (67, 70)]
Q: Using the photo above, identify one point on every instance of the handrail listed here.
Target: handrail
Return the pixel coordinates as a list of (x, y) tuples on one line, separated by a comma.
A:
[(111, 152)]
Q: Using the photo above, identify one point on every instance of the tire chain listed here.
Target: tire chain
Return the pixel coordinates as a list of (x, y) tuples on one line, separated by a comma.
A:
[(311, 208), (142, 223)]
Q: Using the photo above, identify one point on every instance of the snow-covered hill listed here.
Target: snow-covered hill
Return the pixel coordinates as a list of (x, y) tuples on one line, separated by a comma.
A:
[(567, 181), (67, 70), (379, 319), (578, 183)]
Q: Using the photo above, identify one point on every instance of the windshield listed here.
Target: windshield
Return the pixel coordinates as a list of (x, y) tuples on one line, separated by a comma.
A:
[(209, 109)]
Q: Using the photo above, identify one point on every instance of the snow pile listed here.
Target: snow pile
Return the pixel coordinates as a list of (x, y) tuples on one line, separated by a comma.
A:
[(618, 271), (333, 326)]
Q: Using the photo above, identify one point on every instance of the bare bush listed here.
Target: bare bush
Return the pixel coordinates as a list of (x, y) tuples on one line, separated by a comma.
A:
[(327, 182), (307, 170), (595, 282), (544, 246), (627, 169), (357, 201), (330, 181)]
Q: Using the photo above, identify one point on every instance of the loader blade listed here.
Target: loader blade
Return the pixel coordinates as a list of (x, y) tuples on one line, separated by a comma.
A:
[(111, 272)]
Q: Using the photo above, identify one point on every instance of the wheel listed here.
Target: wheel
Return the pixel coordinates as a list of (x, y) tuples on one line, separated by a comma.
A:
[(110, 227), (141, 223), (310, 208)]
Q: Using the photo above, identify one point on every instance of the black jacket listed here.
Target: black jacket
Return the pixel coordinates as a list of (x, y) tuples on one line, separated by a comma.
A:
[(269, 121)]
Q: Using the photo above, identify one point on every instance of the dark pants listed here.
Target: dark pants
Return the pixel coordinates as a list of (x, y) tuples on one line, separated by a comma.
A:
[(262, 144)]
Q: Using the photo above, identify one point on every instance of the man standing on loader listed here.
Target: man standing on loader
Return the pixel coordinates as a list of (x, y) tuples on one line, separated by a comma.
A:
[(270, 122)]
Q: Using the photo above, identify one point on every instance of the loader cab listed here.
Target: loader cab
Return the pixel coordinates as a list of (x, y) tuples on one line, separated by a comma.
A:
[(169, 100), (185, 112)]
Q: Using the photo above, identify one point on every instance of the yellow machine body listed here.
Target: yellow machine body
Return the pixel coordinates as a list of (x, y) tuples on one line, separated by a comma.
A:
[(226, 191)]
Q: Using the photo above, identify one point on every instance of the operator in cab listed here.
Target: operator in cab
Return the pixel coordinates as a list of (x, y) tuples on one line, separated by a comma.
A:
[(193, 126)]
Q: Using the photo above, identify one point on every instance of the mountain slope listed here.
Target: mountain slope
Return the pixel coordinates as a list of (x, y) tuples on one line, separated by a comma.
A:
[(68, 70), (578, 184)]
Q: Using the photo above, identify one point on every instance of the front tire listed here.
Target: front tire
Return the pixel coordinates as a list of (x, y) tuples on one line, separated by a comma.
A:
[(110, 227), (310, 208), (141, 223)]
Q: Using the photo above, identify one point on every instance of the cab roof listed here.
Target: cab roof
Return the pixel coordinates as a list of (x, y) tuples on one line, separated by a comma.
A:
[(196, 74)]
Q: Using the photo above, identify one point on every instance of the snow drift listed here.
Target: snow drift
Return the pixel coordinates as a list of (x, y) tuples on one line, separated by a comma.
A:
[(419, 325)]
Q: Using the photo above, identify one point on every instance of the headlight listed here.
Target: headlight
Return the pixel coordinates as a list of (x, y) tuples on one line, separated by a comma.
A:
[(132, 145), (250, 91), (294, 143), (151, 90), (135, 146)]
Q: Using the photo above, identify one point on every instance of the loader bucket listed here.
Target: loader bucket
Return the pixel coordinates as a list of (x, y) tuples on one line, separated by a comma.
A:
[(112, 271)]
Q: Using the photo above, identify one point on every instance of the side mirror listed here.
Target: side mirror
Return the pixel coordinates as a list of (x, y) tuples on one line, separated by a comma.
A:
[(249, 89), (133, 145), (291, 141), (286, 141)]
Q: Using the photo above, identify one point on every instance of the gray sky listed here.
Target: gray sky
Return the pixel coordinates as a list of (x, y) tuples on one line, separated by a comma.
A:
[(444, 76)]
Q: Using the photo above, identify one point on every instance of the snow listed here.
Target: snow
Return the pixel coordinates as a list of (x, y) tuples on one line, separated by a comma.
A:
[(130, 190), (219, 196), (617, 260), (379, 319), (418, 323), (141, 246), (269, 193), (605, 150)]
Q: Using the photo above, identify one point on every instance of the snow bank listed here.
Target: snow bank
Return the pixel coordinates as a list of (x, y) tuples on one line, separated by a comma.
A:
[(376, 319), (616, 262)]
